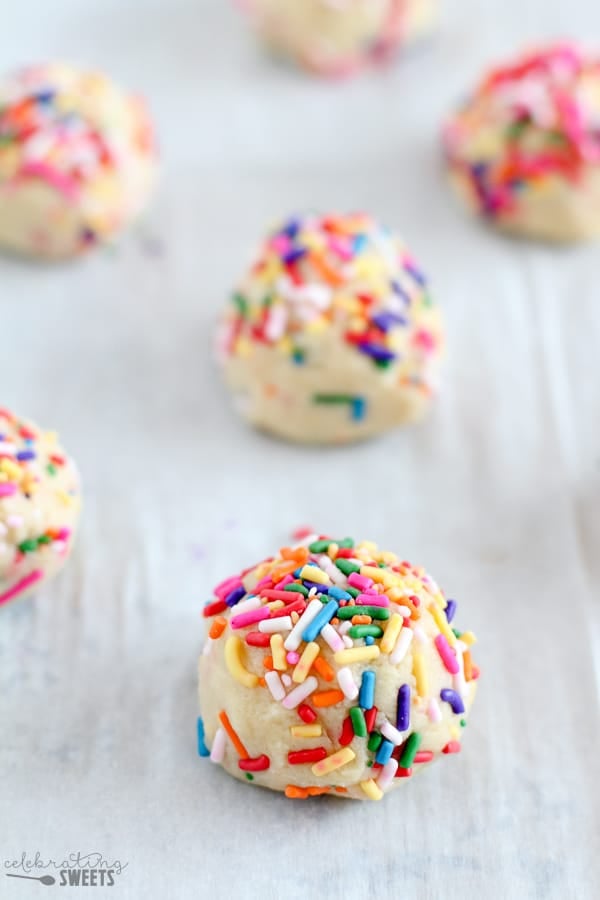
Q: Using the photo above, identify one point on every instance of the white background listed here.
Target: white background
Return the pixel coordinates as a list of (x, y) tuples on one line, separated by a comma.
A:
[(497, 494)]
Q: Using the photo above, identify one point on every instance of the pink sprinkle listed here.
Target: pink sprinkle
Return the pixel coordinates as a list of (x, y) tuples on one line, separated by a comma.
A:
[(21, 586), (281, 584), (250, 617), (267, 580), (64, 534), (292, 657), (447, 654), (7, 489), (226, 587), (360, 581), (372, 600), (64, 185)]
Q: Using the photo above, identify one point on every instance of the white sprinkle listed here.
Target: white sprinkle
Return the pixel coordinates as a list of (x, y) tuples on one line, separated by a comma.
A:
[(420, 636), (344, 627), (7, 449), (286, 679), (218, 748), (247, 605), (309, 539), (274, 684), (331, 569), (332, 638), (347, 683), (348, 642), (275, 327), (433, 711), (403, 611), (295, 697), (207, 648), (402, 645), (392, 734), (279, 623), (459, 683), (294, 638), (387, 774)]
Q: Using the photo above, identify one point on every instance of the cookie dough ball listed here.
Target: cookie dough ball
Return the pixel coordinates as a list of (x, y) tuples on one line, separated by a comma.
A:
[(332, 335), (39, 506), (336, 37), (524, 151), (332, 667), (77, 160)]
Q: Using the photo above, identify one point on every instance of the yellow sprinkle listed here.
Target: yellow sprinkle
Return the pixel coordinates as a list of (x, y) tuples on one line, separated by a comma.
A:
[(242, 347), (65, 498), (468, 638), (394, 626), (356, 654), (312, 573), (306, 731), (275, 604), (442, 623), (333, 762), (233, 659), (390, 579), (12, 469), (371, 790), (285, 344), (311, 651), (332, 550), (278, 652), (420, 673)]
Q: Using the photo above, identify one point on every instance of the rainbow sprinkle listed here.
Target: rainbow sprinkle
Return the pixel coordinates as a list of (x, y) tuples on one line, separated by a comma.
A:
[(308, 656)]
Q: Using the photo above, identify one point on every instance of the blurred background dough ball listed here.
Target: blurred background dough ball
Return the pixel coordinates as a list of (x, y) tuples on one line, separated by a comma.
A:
[(335, 37), (524, 150), (331, 335), (39, 506), (77, 160)]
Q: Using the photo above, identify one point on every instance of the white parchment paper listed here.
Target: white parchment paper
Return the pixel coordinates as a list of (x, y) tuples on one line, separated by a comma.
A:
[(497, 494)]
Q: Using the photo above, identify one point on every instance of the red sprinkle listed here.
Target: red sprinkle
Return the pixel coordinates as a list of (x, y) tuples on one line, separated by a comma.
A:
[(345, 553), (255, 765), (301, 757), (347, 734), (452, 747), (403, 773), (213, 608), (301, 532), (296, 606), (423, 756), (307, 714), (258, 639), (370, 716)]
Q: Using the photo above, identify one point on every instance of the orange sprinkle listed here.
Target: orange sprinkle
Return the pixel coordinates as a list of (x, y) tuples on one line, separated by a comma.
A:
[(468, 664), (300, 793), (323, 668), (325, 270), (268, 663), (327, 698), (299, 554), (242, 752), (361, 620), (282, 569), (217, 628), (271, 390), (262, 682)]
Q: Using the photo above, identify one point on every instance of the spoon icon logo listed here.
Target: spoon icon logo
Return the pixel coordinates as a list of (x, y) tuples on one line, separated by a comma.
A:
[(43, 879)]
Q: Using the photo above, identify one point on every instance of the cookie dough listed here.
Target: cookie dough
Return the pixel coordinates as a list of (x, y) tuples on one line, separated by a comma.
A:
[(77, 160), (332, 668), (39, 506), (524, 150), (332, 335), (337, 37)]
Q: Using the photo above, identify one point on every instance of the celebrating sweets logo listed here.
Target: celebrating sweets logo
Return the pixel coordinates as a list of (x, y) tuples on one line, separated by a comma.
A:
[(75, 870)]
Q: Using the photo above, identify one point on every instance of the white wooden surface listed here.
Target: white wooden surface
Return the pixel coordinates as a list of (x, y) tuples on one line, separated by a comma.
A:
[(497, 494)]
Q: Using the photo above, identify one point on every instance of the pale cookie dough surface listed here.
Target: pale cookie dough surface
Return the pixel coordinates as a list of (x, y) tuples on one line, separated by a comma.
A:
[(299, 695), (336, 37), (39, 506), (524, 151), (332, 336), (77, 160)]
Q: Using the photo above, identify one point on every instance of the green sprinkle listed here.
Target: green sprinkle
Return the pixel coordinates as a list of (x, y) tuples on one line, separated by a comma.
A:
[(28, 546), (347, 567), (463, 723), (353, 591), (51, 469), (374, 741), (358, 721), (298, 355), (376, 612), (410, 750), (456, 633), (346, 544), (249, 776), (267, 301), (297, 588), (363, 631), (241, 303), (44, 539), (319, 546), (384, 363), (333, 398)]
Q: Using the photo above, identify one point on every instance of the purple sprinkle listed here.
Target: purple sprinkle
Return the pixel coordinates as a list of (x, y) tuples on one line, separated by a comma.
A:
[(24, 455), (235, 596), (291, 228), (454, 699), (294, 255), (387, 320), (400, 292), (403, 708), (414, 272), (450, 609), (377, 353), (321, 588)]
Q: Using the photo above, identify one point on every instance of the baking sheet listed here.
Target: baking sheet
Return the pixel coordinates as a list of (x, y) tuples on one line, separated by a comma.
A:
[(497, 493)]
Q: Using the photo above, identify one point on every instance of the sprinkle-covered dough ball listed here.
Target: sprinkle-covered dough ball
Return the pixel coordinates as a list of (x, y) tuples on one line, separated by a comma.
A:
[(337, 37), (524, 150), (332, 667), (77, 160), (332, 335), (39, 506)]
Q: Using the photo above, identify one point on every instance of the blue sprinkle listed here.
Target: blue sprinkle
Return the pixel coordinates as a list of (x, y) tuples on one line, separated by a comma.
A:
[(376, 352), (386, 320), (235, 596), (359, 409), (450, 610), (202, 748), (291, 228), (24, 455), (369, 640), (366, 697), (298, 356), (319, 622), (454, 699), (359, 244), (338, 593), (45, 96), (294, 255), (384, 754)]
